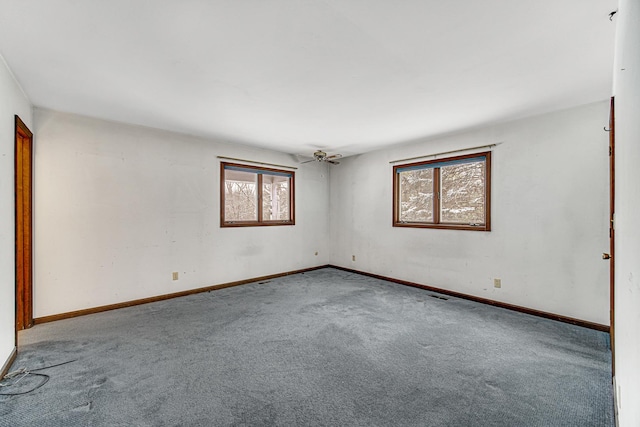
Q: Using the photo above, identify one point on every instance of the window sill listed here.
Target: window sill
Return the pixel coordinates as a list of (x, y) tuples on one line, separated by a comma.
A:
[(256, 224), (482, 227)]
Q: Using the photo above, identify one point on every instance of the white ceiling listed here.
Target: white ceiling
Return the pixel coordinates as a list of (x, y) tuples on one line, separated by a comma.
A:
[(348, 76)]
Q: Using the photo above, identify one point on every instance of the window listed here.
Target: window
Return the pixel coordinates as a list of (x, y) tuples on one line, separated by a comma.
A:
[(253, 196), (450, 193)]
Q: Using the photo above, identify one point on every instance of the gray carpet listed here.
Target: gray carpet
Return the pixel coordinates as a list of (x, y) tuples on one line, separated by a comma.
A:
[(321, 348)]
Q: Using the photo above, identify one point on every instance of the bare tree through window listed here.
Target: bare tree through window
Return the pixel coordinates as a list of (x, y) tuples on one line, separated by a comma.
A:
[(445, 193), (255, 196)]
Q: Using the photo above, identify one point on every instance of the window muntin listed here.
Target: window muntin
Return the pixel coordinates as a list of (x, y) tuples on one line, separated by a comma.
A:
[(445, 193), (253, 196)]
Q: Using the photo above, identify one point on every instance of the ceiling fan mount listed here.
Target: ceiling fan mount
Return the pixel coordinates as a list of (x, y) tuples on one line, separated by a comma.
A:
[(321, 156)]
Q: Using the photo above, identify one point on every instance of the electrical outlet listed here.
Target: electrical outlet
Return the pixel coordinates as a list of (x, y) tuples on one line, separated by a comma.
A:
[(497, 283), (353, 257), (175, 275)]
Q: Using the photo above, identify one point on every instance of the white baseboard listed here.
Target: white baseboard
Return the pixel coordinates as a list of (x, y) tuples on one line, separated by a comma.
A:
[(617, 399)]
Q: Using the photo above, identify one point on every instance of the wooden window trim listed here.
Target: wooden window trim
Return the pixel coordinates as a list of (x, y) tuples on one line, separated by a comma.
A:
[(436, 199), (260, 222)]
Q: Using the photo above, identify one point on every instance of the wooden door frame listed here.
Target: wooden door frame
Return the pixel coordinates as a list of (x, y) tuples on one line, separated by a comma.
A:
[(23, 225)]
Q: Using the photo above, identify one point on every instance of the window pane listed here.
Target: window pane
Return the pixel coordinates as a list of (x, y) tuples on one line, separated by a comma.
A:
[(240, 196), (416, 196), (275, 198), (462, 193)]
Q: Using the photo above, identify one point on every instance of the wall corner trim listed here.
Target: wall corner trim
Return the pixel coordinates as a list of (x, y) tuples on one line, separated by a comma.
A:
[(15, 80), (9, 362)]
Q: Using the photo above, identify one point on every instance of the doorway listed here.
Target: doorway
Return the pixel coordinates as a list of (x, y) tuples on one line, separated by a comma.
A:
[(24, 224)]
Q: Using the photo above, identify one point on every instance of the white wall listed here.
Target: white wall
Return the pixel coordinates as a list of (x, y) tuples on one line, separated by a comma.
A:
[(118, 208), (12, 101), (627, 258), (549, 217)]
